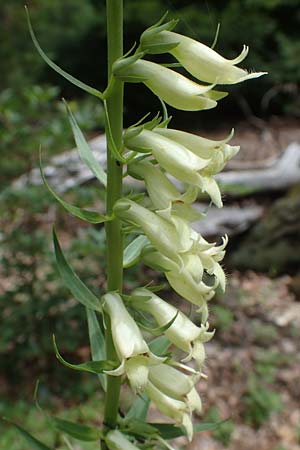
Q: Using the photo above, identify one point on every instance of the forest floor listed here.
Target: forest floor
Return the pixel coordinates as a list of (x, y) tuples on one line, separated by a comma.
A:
[(253, 367)]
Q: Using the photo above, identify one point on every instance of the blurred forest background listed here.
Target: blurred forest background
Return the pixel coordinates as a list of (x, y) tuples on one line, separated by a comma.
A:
[(253, 349)]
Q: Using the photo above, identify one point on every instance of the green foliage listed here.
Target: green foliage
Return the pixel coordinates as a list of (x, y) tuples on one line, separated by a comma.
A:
[(225, 429), (33, 116), (34, 303), (260, 402)]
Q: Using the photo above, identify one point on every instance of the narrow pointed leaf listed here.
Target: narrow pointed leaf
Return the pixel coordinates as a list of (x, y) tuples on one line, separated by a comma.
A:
[(90, 366), (139, 408), (97, 342), (160, 345), (34, 443), (157, 331), (132, 252), (80, 291), (77, 431), (83, 214), (85, 151), (57, 69), (138, 428), (169, 431)]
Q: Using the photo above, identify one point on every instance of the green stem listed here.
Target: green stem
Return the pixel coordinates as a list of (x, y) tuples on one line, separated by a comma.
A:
[(114, 241)]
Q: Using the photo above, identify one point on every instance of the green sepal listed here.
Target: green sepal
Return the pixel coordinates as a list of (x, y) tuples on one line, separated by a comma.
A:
[(83, 214), (97, 343), (90, 366), (159, 345), (156, 331), (160, 26), (216, 36), (57, 69), (155, 49), (77, 431), (139, 408), (34, 443), (84, 149), (123, 63), (132, 252), (80, 291)]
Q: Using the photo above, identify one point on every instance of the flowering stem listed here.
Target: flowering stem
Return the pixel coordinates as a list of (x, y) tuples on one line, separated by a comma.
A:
[(114, 192)]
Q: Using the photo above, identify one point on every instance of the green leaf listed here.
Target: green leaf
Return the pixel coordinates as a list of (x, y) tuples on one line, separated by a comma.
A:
[(97, 342), (80, 291), (57, 69), (138, 428), (157, 331), (83, 214), (133, 251), (139, 408), (90, 366), (77, 431), (32, 441), (160, 345), (169, 431), (84, 149)]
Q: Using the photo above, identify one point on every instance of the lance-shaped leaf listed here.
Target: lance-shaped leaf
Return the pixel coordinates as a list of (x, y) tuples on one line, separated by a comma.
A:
[(160, 345), (84, 149), (156, 331), (97, 342), (83, 214), (137, 428), (34, 443), (139, 408), (80, 291), (57, 69), (133, 251), (169, 431), (90, 366), (76, 430)]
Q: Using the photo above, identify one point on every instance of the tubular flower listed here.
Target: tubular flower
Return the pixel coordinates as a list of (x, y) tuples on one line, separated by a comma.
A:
[(201, 61), (176, 384), (183, 332), (170, 239), (132, 350), (166, 199), (175, 409), (218, 153), (177, 160), (172, 87), (115, 440), (187, 281)]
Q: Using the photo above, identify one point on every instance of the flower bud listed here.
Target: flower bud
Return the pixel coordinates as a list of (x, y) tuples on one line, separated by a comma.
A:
[(132, 350), (201, 61), (172, 87)]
